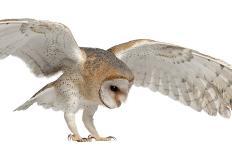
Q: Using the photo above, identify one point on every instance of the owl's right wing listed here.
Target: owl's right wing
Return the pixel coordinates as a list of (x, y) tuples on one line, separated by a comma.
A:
[(195, 79), (47, 47)]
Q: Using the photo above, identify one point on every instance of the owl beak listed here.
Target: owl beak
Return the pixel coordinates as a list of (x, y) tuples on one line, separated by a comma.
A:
[(120, 98), (119, 103)]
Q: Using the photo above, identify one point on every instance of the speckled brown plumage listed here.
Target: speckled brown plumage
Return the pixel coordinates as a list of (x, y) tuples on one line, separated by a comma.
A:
[(100, 65), (91, 77)]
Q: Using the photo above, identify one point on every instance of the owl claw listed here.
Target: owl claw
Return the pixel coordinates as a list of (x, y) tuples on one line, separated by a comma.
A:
[(90, 138), (83, 140), (70, 137), (109, 138), (77, 138)]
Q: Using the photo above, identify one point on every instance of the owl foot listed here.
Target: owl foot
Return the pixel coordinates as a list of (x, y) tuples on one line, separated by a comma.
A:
[(77, 138), (109, 138)]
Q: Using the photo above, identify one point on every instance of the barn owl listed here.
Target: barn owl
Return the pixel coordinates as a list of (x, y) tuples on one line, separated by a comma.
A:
[(92, 77)]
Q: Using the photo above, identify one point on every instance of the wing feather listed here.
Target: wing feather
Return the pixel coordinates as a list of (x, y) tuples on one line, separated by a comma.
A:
[(46, 47), (197, 80)]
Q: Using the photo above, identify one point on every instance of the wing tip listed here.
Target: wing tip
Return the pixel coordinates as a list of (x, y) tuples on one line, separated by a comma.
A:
[(16, 21)]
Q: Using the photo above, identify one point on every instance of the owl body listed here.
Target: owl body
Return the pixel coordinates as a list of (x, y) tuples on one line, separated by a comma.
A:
[(92, 77), (78, 87)]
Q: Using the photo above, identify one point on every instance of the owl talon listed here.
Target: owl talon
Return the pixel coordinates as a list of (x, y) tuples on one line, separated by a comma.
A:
[(83, 140), (77, 138), (70, 137), (90, 138), (109, 138)]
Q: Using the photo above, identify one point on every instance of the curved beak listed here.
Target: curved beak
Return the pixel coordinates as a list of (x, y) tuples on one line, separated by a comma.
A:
[(120, 98)]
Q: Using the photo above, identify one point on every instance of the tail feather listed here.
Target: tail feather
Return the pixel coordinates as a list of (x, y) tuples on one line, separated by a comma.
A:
[(26, 105), (45, 97)]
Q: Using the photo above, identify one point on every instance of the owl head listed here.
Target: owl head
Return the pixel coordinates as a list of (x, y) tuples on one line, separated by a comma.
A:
[(110, 79), (114, 92)]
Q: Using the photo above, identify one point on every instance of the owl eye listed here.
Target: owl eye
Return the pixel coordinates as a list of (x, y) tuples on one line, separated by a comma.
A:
[(114, 88)]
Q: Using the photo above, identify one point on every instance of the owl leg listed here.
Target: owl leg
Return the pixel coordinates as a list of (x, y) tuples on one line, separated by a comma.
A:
[(70, 120), (88, 121)]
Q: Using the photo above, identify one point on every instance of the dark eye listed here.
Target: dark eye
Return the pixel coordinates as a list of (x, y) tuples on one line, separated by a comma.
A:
[(114, 88)]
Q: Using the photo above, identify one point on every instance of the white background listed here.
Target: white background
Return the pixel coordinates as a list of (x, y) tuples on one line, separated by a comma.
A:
[(148, 123)]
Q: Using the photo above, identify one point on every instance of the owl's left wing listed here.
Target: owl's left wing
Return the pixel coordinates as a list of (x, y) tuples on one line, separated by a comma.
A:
[(195, 79)]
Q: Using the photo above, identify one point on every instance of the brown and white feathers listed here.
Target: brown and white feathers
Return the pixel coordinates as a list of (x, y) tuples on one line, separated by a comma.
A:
[(195, 79), (102, 70), (45, 46)]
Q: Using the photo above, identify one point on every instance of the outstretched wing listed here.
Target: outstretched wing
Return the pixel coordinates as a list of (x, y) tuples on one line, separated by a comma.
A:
[(47, 47), (195, 79)]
